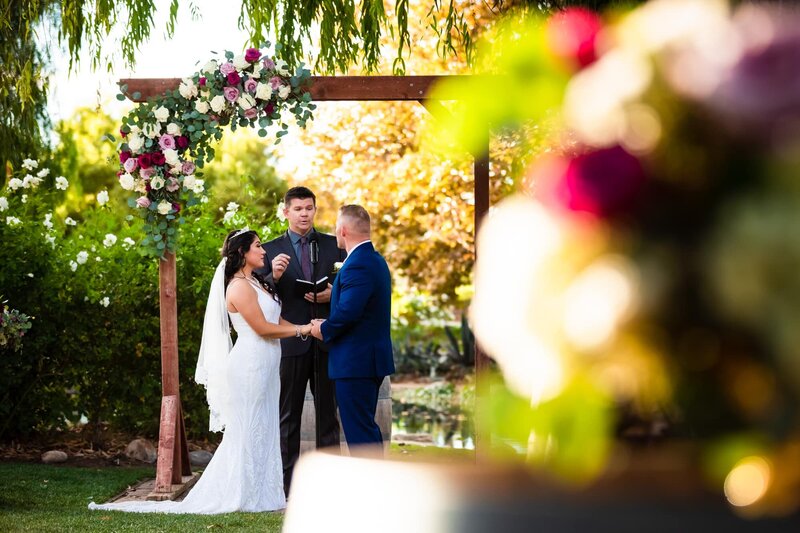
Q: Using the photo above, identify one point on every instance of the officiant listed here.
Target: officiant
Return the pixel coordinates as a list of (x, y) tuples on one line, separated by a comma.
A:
[(289, 259)]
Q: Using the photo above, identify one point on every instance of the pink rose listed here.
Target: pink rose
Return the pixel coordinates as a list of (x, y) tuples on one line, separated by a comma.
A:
[(147, 173), (572, 35), (234, 78), (252, 55), (201, 82), (251, 113), (166, 142), (227, 68), (123, 156), (187, 167), (182, 141), (130, 164), (173, 185), (276, 83), (250, 86), (231, 93), (143, 201), (269, 64)]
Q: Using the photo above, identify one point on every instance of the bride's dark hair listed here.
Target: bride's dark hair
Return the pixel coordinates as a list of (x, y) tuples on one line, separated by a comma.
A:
[(236, 245)]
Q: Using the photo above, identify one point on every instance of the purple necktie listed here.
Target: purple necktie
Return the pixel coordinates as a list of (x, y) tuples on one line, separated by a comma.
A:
[(305, 258)]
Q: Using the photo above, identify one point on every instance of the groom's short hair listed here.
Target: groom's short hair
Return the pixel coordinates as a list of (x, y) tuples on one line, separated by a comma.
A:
[(357, 216), (300, 193)]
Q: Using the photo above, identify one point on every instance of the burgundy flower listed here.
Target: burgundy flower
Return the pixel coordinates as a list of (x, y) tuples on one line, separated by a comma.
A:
[(234, 78), (602, 182), (269, 108), (145, 161), (252, 55), (202, 82), (177, 207), (123, 133), (158, 158), (124, 156), (572, 34), (182, 141)]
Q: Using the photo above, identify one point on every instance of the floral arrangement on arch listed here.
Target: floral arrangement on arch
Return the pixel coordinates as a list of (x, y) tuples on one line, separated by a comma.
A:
[(167, 140)]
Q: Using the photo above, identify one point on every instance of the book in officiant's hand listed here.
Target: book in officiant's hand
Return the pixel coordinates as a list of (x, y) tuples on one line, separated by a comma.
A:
[(302, 287)]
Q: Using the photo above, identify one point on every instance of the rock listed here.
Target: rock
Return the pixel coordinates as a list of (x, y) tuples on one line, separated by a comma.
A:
[(54, 456), (200, 457), (141, 450)]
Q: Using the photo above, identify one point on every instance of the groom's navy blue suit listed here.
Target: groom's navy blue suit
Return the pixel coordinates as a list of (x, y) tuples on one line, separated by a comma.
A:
[(357, 333)]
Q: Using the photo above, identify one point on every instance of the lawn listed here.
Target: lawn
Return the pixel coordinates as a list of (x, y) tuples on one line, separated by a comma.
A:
[(37, 497)]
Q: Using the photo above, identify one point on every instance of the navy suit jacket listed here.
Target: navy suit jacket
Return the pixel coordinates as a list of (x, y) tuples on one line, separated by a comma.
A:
[(358, 330)]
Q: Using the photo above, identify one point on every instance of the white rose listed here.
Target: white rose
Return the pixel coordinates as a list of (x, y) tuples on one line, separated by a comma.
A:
[(188, 182), (30, 181), (156, 183), (134, 129), (43, 173), (12, 221), (29, 164), (135, 143), (218, 103), (264, 91), (210, 67), (198, 186), (151, 130), (281, 67), (246, 101), (161, 114), (284, 91), (70, 222), (164, 207), (3, 203), (110, 240), (256, 72), (201, 106), (14, 184), (127, 182), (173, 129), (240, 62), (102, 197), (188, 89), (62, 183), (171, 156), (82, 257)]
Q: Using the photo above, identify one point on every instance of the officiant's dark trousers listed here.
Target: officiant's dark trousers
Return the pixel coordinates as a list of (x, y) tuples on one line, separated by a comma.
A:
[(295, 373)]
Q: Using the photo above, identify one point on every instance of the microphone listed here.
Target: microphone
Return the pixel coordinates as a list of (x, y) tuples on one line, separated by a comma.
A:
[(313, 248)]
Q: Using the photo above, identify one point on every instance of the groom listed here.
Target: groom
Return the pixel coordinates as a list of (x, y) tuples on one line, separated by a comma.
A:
[(357, 331), (289, 259)]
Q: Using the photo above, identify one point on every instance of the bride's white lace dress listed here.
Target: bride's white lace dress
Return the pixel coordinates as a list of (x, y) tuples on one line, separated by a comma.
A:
[(245, 473)]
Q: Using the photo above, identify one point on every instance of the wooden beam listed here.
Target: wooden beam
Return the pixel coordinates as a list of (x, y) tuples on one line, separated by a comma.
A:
[(322, 88), (481, 177)]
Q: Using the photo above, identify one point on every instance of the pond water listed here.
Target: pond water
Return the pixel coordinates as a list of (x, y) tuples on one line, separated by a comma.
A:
[(434, 414)]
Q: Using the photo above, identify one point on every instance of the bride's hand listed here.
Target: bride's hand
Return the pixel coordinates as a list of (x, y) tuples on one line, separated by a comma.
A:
[(305, 330)]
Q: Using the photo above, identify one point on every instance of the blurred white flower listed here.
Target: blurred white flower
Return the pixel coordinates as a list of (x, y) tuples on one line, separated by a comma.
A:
[(98, 259), (102, 197), (228, 216), (232, 206), (12, 221), (3, 203), (70, 222), (82, 257), (62, 183), (30, 181), (14, 184), (198, 186), (127, 242), (47, 221), (24, 198), (30, 274), (110, 240), (105, 301), (29, 164), (43, 173), (281, 214), (73, 266)]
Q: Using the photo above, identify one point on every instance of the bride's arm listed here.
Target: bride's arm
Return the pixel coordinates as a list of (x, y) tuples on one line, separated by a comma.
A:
[(244, 299)]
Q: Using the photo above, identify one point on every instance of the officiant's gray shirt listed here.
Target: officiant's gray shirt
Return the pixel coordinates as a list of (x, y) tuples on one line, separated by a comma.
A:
[(295, 237)]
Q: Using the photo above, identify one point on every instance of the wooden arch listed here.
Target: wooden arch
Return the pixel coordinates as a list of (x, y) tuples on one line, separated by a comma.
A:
[(173, 458)]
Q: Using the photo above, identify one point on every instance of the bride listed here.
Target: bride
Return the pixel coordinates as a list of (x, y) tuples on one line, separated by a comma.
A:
[(243, 386)]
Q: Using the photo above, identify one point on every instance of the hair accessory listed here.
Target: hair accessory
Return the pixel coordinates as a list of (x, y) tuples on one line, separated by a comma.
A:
[(241, 231)]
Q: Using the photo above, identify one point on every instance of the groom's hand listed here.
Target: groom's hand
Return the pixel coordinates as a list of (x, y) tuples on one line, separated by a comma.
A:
[(315, 328), (323, 297), (279, 265)]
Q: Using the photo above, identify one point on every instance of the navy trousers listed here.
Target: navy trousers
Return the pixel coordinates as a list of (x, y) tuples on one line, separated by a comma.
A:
[(357, 399)]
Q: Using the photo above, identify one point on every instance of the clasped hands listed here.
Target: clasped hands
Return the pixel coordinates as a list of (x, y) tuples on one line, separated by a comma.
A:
[(315, 328)]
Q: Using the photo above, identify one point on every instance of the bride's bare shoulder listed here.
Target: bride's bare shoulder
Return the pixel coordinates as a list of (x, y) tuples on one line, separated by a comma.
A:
[(239, 290)]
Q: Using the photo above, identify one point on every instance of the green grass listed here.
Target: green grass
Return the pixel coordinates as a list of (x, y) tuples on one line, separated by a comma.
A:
[(36, 497)]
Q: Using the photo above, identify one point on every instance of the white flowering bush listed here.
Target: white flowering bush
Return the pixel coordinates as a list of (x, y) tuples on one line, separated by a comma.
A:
[(167, 141)]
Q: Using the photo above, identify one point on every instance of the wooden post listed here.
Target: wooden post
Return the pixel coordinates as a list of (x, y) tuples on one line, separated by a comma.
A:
[(173, 451), (481, 176)]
